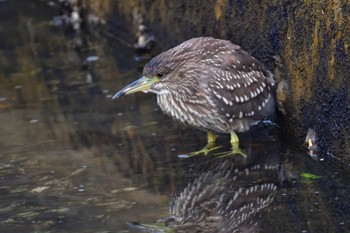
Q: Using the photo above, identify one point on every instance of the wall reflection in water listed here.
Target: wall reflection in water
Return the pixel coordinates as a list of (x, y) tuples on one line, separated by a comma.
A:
[(67, 154)]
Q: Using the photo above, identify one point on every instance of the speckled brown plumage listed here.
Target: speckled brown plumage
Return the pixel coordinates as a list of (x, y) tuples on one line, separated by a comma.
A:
[(212, 84)]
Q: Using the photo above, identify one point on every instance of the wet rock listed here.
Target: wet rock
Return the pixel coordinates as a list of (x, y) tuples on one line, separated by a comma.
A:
[(282, 93)]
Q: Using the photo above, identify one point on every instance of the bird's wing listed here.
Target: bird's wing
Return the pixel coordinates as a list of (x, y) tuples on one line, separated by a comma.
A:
[(239, 84)]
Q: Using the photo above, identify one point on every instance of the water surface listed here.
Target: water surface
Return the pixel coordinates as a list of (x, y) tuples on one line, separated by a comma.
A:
[(73, 160)]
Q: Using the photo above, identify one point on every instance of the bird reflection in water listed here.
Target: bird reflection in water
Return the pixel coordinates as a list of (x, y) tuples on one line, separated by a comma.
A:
[(225, 198)]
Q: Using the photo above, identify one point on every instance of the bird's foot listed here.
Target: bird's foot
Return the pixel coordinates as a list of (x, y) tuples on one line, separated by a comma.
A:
[(233, 151), (205, 151)]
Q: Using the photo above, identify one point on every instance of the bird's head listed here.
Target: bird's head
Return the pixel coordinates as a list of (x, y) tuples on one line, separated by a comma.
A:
[(173, 71), (142, 84)]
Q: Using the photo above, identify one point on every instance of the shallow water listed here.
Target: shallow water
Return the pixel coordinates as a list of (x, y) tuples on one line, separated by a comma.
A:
[(73, 160)]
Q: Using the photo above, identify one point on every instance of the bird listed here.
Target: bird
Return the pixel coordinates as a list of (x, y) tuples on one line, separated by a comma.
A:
[(211, 84)]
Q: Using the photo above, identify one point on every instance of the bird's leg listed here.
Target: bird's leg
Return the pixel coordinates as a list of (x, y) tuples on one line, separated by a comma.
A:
[(211, 140), (209, 147), (234, 140), (235, 149)]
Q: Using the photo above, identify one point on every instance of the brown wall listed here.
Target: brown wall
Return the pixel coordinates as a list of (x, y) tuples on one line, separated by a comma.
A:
[(311, 39)]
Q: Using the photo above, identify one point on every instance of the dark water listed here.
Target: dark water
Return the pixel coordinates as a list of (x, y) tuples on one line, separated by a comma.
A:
[(72, 160)]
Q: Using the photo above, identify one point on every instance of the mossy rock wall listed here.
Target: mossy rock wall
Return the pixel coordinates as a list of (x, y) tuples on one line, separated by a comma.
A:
[(311, 39)]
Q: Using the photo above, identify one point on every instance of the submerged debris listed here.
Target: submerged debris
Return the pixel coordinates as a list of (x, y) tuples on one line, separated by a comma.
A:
[(92, 59), (311, 145), (39, 189), (310, 176), (145, 40)]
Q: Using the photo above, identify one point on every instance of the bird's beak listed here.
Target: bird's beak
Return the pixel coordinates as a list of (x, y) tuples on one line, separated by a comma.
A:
[(141, 84)]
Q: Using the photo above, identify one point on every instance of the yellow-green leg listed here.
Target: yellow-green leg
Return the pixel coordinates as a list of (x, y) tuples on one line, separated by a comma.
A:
[(234, 147), (209, 147), (234, 140)]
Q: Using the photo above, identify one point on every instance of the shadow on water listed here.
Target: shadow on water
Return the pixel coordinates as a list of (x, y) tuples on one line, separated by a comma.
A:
[(72, 160)]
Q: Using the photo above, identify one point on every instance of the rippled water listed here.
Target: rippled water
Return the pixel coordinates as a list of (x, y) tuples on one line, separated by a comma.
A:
[(73, 160)]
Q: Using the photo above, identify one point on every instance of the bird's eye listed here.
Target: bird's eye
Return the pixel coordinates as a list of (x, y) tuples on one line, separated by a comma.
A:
[(159, 75)]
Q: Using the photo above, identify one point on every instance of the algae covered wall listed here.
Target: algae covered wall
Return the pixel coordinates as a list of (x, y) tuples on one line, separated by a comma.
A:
[(306, 43)]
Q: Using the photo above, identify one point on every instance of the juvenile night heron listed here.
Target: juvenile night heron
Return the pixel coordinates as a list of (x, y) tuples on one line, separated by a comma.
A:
[(211, 84)]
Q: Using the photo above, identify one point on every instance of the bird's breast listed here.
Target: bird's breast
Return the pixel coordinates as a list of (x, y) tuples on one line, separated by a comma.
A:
[(191, 112)]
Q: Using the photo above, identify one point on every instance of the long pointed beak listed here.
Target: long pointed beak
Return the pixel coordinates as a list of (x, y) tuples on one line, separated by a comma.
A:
[(142, 84)]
